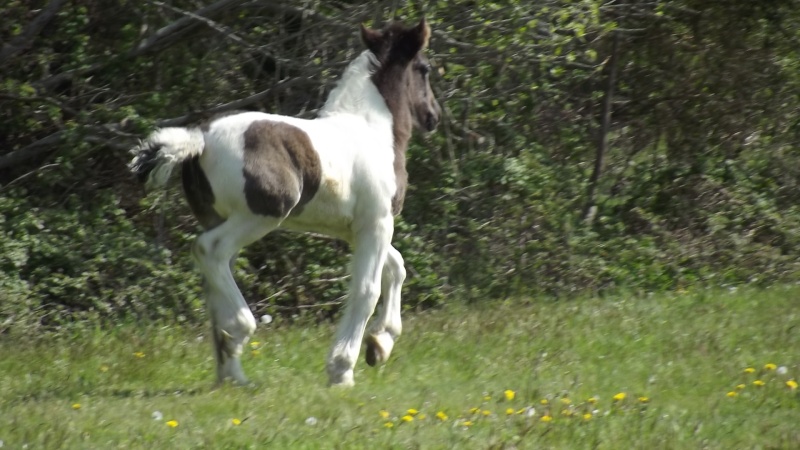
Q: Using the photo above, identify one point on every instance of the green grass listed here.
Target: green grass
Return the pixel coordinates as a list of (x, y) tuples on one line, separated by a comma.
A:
[(683, 351)]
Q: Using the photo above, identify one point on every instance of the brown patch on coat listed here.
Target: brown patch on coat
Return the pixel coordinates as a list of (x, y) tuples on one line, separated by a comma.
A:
[(199, 194), (196, 186), (282, 171)]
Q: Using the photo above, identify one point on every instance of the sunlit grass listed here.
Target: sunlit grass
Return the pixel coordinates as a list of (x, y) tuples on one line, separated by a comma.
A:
[(689, 370)]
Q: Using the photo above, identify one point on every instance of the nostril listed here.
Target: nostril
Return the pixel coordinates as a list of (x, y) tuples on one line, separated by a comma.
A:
[(431, 121)]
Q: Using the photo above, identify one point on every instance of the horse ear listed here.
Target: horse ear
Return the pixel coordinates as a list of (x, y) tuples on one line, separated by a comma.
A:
[(424, 32), (412, 41), (372, 39)]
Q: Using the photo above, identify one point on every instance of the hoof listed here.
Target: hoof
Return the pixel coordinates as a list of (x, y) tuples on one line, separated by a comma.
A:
[(372, 354), (344, 380), (243, 382), (340, 372), (231, 369), (378, 348)]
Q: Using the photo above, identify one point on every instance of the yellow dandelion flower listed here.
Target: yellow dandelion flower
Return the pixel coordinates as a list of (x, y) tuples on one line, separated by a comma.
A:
[(388, 424), (104, 368), (236, 421), (412, 412), (254, 344), (587, 416), (741, 386), (732, 394), (509, 394), (486, 412), (791, 384), (384, 414), (749, 370), (421, 416), (487, 397), (759, 383), (76, 406), (138, 354), (407, 418), (544, 401), (619, 397), (509, 411), (770, 366), (441, 416), (566, 401), (592, 400), (172, 423), (567, 412), (644, 399), (474, 410), (547, 418), (467, 423)]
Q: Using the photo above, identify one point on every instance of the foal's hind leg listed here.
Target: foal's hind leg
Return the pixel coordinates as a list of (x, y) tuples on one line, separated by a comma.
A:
[(386, 328), (231, 319)]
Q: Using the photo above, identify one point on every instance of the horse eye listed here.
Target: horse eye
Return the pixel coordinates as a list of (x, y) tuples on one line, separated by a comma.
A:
[(425, 69)]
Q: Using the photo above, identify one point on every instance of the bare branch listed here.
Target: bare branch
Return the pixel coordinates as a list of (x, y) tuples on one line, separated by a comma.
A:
[(22, 177), (25, 39), (164, 37), (31, 151), (47, 144), (605, 126), (237, 104), (212, 24), (174, 30)]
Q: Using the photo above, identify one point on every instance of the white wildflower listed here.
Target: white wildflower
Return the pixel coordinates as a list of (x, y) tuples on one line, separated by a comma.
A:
[(266, 319), (311, 421), (157, 415)]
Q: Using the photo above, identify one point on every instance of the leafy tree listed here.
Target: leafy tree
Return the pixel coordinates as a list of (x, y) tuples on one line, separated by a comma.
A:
[(587, 146)]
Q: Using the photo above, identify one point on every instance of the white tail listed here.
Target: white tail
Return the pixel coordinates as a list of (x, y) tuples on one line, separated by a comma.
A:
[(156, 156)]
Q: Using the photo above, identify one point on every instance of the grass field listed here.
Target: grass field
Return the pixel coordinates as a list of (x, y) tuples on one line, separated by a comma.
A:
[(515, 374)]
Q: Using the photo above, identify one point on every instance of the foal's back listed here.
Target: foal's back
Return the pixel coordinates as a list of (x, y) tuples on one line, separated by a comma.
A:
[(315, 174)]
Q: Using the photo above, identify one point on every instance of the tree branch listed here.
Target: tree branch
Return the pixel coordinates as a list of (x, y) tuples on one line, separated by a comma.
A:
[(163, 37), (25, 39), (31, 151), (602, 142), (236, 104), (46, 144)]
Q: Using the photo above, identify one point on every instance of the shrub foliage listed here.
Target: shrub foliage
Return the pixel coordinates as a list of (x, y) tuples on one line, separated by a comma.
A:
[(587, 146)]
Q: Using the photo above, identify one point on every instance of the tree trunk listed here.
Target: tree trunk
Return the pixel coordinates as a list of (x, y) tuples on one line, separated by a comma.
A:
[(590, 208)]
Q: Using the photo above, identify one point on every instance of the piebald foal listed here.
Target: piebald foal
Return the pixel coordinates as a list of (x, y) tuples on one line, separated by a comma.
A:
[(342, 174)]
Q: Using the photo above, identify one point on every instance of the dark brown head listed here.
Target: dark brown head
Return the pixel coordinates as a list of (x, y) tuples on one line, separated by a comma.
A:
[(402, 76)]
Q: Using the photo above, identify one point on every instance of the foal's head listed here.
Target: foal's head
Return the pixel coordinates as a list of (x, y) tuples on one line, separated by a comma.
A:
[(403, 72)]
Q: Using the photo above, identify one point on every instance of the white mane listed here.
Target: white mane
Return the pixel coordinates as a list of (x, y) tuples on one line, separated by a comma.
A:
[(355, 93)]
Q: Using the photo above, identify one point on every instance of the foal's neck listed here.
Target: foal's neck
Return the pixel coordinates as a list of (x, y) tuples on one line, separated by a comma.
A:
[(356, 94), (391, 83), (379, 95)]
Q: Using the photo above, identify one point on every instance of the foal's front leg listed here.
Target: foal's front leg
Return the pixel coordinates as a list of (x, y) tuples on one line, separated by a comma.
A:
[(371, 244)]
